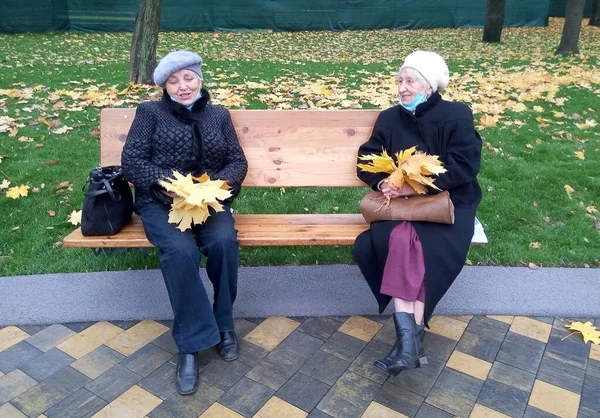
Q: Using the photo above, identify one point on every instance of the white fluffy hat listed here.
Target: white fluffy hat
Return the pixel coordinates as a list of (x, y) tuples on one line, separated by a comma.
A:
[(175, 61), (431, 66)]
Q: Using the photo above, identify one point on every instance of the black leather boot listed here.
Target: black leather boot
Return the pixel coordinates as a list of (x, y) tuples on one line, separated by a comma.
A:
[(186, 374), (228, 348), (384, 363), (408, 350)]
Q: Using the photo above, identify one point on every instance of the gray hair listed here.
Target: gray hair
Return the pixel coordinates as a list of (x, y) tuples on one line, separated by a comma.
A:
[(417, 75)]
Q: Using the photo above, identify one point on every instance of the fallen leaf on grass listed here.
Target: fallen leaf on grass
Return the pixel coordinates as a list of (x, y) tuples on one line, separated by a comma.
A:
[(49, 163), (63, 130), (535, 245), (75, 217), (62, 185), (580, 155), (17, 191), (587, 330), (569, 190), (4, 185), (51, 212), (15, 228), (533, 266)]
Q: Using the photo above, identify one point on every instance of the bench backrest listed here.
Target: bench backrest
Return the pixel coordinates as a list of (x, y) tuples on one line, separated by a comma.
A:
[(284, 148)]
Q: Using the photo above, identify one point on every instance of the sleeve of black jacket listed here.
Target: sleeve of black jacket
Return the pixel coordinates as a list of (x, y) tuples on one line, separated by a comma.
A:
[(236, 166), (375, 145), (463, 153), (136, 155)]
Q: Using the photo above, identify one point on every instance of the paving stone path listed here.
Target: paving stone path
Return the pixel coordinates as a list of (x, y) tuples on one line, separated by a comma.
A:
[(480, 366)]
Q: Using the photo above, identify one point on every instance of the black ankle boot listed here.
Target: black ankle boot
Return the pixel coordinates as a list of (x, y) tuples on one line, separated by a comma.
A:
[(385, 362), (408, 350), (186, 374), (228, 348)]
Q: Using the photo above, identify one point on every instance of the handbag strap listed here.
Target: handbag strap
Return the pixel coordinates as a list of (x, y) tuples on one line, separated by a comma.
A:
[(114, 194)]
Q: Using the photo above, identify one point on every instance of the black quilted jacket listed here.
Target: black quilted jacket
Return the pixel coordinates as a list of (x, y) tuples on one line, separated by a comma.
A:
[(160, 142)]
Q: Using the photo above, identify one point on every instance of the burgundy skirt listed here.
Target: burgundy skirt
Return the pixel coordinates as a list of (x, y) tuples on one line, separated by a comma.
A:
[(404, 273)]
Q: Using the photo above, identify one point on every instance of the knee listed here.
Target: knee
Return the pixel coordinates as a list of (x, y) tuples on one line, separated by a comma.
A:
[(224, 243), (180, 249)]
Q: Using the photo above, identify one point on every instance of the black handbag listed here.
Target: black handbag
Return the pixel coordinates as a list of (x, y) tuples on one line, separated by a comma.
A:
[(108, 202)]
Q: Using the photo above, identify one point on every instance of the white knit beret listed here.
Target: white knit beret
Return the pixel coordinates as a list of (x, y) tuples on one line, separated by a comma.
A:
[(175, 61), (431, 66)]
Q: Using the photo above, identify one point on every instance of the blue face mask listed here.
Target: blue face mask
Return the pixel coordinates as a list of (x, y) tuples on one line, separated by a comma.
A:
[(414, 103), (188, 107)]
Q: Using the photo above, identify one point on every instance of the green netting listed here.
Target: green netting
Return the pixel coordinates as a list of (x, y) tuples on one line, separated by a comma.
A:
[(279, 15), (558, 7), (36, 16)]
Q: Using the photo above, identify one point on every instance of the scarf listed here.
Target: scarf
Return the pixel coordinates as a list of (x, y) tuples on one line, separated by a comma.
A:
[(193, 118)]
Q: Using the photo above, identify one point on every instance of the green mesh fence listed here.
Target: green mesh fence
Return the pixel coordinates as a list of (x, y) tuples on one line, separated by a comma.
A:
[(279, 15), (558, 7)]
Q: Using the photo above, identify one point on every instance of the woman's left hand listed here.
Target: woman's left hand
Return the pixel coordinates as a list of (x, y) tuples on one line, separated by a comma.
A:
[(390, 191)]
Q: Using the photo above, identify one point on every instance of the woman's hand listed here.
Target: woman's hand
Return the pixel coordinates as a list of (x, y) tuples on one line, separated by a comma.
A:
[(391, 191), (172, 195)]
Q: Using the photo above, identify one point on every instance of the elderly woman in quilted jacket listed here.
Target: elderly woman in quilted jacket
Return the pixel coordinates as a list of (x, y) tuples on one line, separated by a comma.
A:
[(184, 132)]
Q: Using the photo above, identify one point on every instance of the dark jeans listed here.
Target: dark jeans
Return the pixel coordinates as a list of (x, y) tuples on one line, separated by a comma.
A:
[(196, 325)]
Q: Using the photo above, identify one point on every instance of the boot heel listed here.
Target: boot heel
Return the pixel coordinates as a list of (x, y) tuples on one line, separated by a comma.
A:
[(423, 361)]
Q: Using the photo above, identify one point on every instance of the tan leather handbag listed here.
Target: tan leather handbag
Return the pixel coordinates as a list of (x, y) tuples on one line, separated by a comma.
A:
[(427, 208)]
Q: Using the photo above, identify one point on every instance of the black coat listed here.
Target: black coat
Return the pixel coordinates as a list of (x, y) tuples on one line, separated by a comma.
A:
[(165, 136), (441, 128)]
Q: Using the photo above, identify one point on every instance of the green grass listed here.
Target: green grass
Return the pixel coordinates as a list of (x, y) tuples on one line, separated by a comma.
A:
[(528, 156)]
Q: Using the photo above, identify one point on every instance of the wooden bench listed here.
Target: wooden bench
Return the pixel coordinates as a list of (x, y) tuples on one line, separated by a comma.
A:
[(284, 148)]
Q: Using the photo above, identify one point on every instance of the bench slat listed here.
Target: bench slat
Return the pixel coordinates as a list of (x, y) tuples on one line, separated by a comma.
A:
[(283, 147), (253, 230)]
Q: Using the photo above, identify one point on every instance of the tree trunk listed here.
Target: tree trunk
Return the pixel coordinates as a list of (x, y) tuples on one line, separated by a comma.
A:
[(143, 45), (494, 21), (571, 28), (595, 17)]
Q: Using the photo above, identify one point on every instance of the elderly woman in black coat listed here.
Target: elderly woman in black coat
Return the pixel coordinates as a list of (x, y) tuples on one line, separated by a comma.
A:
[(414, 263), (184, 132)]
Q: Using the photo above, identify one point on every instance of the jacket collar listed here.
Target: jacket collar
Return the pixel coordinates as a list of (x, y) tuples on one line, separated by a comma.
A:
[(423, 107)]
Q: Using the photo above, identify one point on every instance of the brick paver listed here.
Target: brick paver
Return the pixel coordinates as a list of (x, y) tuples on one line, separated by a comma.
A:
[(479, 366)]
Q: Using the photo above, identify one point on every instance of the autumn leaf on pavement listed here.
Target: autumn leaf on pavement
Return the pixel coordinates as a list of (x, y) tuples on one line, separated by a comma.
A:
[(4, 185), (75, 217), (17, 191), (587, 330), (194, 197)]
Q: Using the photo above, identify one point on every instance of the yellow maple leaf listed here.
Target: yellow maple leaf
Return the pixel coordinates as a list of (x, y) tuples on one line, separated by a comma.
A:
[(569, 190), (589, 123), (17, 191), (580, 155), (75, 217), (194, 197), (413, 167), (378, 163), (587, 330)]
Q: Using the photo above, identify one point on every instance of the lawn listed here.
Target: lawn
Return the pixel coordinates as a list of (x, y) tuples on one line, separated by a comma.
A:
[(538, 114)]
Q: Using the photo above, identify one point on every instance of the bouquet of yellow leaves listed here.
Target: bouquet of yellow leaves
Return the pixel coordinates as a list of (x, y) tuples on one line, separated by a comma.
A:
[(413, 167), (194, 195)]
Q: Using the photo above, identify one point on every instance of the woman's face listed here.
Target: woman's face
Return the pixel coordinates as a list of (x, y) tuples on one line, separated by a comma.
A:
[(409, 86), (184, 86)]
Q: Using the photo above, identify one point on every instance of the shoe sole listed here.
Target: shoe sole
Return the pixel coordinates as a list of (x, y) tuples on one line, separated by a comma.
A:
[(422, 362)]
